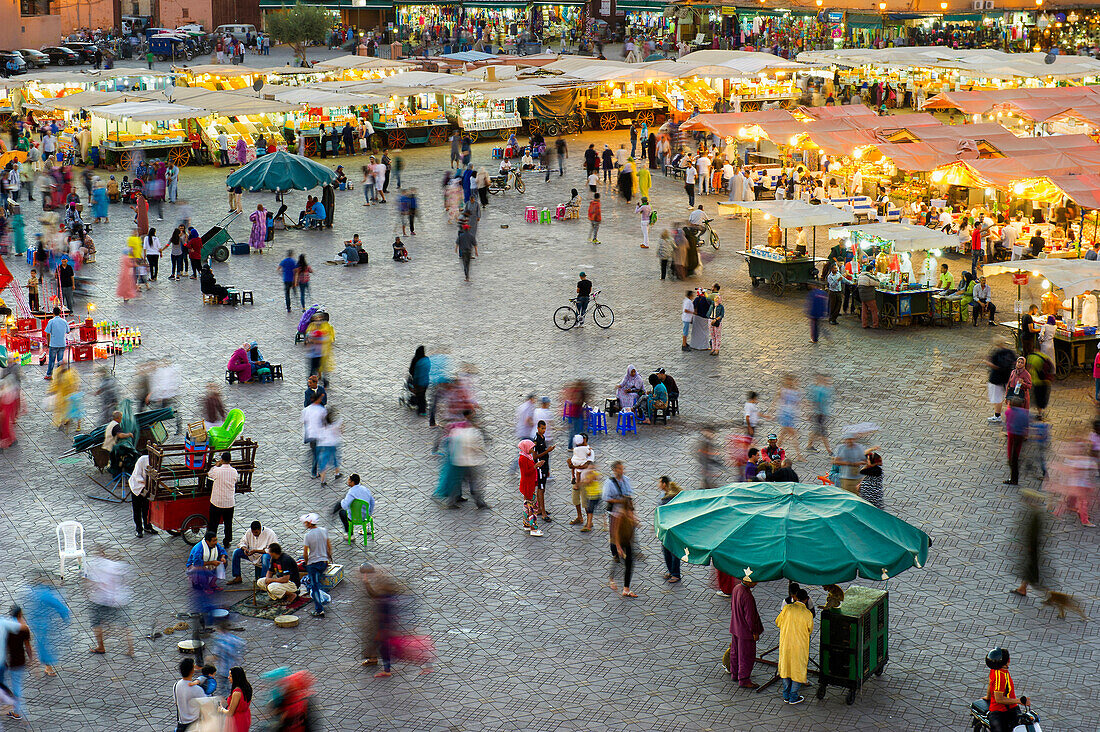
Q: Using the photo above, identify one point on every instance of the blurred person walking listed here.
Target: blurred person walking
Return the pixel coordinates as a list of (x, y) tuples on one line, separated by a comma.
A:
[(108, 594), (48, 616)]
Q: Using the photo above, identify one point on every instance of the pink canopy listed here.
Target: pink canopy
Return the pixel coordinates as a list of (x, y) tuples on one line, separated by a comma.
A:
[(727, 124)]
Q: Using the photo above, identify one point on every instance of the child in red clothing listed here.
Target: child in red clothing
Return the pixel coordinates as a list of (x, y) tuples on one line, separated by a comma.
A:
[(528, 478)]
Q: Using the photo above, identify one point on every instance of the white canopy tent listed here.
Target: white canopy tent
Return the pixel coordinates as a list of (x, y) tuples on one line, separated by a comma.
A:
[(1074, 276), (791, 213), (311, 97), (368, 63), (148, 111), (903, 237)]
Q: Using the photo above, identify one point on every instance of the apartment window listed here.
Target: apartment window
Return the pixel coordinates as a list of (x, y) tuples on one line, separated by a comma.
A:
[(34, 7), (186, 13)]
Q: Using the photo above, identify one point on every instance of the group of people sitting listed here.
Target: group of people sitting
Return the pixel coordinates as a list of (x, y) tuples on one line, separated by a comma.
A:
[(353, 253), (248, 364), (632, 395), (313, 216)]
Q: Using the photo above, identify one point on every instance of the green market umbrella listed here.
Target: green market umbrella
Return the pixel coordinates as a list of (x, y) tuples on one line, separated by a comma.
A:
[(280, 171), (810, 534)]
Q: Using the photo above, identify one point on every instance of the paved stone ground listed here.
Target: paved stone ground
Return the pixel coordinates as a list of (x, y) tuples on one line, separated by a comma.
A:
[(529, 636)]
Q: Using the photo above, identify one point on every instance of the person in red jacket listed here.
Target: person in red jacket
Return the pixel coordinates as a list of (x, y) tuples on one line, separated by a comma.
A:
[(594, 217), (528, 478), (194, 251)]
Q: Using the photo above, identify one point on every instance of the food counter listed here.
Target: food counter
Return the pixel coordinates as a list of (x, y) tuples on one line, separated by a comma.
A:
[(609, 108), (478, 117), (421, 122), (1074, 349)]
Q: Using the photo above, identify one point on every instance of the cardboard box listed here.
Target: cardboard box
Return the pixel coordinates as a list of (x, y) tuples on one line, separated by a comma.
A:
[(333, 575)]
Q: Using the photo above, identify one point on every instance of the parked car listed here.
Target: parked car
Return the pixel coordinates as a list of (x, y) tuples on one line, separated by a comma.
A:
[(35, 59), (237, 30), (11, 62), (63, 56), (87, 51), (191, 28)]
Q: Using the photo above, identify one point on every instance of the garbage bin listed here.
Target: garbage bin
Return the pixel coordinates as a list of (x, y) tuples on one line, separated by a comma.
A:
[(854, 640)]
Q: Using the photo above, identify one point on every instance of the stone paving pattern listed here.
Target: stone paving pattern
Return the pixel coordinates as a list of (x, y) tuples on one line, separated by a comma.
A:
[(529, 635)]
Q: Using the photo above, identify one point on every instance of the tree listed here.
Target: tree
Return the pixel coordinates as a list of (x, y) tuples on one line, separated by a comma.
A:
[(298, 26)]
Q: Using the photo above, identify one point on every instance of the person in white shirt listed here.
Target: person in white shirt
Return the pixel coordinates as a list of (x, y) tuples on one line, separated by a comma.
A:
[(946, 220), (727, 177), (525, 419), (311, 419), (164, 386), (800, 241), (187, 696), (690, 176), (982, 301), (752, 413), (467, 455), (1010, 239), (223, 149), (857, 183), (329, 437), (140, 489), (703, 164), (643, 209), (253, 547), (621, 156), (686, 316), (223, 495), (593, 182)]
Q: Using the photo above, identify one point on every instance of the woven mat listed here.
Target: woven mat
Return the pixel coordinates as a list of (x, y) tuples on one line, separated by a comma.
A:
[(265, 608)]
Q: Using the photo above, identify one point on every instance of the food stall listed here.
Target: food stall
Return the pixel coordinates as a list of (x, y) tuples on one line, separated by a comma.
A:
[(903, 298), (774, 262), (489, 108), (613, 104), (1075, 336), (150, 129), (322, 106)]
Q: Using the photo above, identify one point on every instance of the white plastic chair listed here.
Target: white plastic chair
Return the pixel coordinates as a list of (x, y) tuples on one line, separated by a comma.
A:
[(70, 544)]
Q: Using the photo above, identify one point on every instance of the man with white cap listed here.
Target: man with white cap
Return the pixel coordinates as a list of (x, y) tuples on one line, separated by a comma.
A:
[(318, 553)]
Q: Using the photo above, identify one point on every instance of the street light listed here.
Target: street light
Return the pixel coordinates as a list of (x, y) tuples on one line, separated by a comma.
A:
[(943, 6), (881, 7)]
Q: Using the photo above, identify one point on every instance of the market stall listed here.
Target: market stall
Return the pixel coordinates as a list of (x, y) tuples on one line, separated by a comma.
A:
[(774, 262), (150, 129), (763, 532), (1075, 336), (489, 109), (902, 297), (333, 109)]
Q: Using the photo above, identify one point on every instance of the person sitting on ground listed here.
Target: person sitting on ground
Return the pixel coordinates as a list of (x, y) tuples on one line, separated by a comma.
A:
[(207, 559), (253, 548), (282, 577), (400, 253), (350, 255), (208, 285), (240, 365), (341, 178), (356, 492), (113, 193), (125, 190), (785, 473), (527, 162), (256, 359)]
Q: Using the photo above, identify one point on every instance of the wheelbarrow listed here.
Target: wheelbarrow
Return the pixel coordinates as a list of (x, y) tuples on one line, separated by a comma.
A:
[(216, 241)]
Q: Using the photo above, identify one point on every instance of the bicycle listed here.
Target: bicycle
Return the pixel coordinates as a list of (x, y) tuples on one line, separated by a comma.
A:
[(709, 233), (568, 316)]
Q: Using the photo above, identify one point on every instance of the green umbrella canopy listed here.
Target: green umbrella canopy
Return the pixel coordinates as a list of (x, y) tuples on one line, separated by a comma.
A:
[(282, 171), (810, 534)]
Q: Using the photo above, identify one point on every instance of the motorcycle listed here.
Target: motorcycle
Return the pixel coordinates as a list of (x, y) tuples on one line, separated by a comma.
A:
[(1027, 720)]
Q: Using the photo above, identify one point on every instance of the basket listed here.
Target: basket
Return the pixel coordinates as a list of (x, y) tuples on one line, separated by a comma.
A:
[(197, 431), (286, 621)]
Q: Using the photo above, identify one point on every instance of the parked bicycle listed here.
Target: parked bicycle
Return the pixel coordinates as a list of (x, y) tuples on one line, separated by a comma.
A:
[(507, 181), (569, 315), (707, 233)]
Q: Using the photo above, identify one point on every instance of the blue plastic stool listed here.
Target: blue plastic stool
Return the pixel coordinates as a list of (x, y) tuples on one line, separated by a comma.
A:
[(626, 423), (597, 422)]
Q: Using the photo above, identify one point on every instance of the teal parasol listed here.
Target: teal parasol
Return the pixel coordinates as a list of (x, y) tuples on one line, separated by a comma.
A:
[(811, 534), (281, 171)]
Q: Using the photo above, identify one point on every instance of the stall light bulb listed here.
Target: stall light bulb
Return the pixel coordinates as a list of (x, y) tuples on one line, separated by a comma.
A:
[(937, 176), (1046, 284), (767, 217), (794, 140), (1018, 188), (937, 253), (91, 307), (989, 191)]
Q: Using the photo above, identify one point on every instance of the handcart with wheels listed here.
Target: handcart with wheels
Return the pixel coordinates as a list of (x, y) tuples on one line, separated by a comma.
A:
[(216, 241), (180, 491)]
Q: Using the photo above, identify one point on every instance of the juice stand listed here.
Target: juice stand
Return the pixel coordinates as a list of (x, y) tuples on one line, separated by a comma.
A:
[(775, 263), (322, 106), (128, 130), (488, 109), (1075, 336), (416, 119), (902, 297)]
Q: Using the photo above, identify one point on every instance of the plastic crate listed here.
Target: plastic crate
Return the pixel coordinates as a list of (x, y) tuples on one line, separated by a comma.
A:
[(82, 353)]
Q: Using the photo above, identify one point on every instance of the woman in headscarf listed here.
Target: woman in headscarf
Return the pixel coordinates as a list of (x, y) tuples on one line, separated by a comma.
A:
[(528, 477), (11, 406), (452, 199), (259, 228), (239, 364), (127, 285), (208, 285), (141, 213), (644, 181), (651, 150), (626, 180), (242, 151), (99, 202), (328, 200), (629, 388)]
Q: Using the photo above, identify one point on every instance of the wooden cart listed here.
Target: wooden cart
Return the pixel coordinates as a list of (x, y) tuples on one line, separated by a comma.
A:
[(781, 273), (124, 154), (854, 641), (901, 307), (180, 494), (1071, 352)]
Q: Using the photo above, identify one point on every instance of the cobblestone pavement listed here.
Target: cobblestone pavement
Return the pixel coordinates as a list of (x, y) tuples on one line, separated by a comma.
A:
[(529, 635)]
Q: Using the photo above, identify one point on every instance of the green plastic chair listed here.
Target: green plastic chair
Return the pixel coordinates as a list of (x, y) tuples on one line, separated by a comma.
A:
[(224, 435), (359, 515)]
